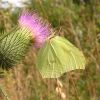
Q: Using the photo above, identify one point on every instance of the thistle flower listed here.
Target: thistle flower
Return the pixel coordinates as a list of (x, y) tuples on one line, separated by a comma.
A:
[(39, 28)]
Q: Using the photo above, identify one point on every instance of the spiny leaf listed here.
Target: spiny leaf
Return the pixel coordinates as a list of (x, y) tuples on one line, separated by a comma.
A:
[(58, 56), (13, 47)]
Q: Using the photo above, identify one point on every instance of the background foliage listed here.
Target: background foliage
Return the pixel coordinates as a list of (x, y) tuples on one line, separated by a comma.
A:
[(78, 21)]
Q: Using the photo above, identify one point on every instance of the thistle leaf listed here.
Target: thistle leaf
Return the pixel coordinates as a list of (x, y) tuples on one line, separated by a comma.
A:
[(13, 47), (58, 56)]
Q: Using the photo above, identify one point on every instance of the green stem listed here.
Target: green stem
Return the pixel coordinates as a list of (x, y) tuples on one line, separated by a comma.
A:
[(4, 93)]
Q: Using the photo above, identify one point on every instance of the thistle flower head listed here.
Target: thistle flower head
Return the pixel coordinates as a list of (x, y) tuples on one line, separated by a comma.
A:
[(39, 28)]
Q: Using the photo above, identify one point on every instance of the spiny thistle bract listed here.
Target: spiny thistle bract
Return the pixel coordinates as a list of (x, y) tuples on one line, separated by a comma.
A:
[(13, 47), (39, 28)]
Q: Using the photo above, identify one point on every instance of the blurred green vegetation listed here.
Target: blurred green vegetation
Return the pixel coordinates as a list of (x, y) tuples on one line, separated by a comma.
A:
[(78, 21)]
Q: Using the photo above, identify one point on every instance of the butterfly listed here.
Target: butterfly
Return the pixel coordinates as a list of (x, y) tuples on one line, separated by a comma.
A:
[(58, 56)]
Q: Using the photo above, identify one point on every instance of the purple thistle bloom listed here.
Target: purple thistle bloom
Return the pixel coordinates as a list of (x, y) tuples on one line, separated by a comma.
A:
[(40, 29)]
